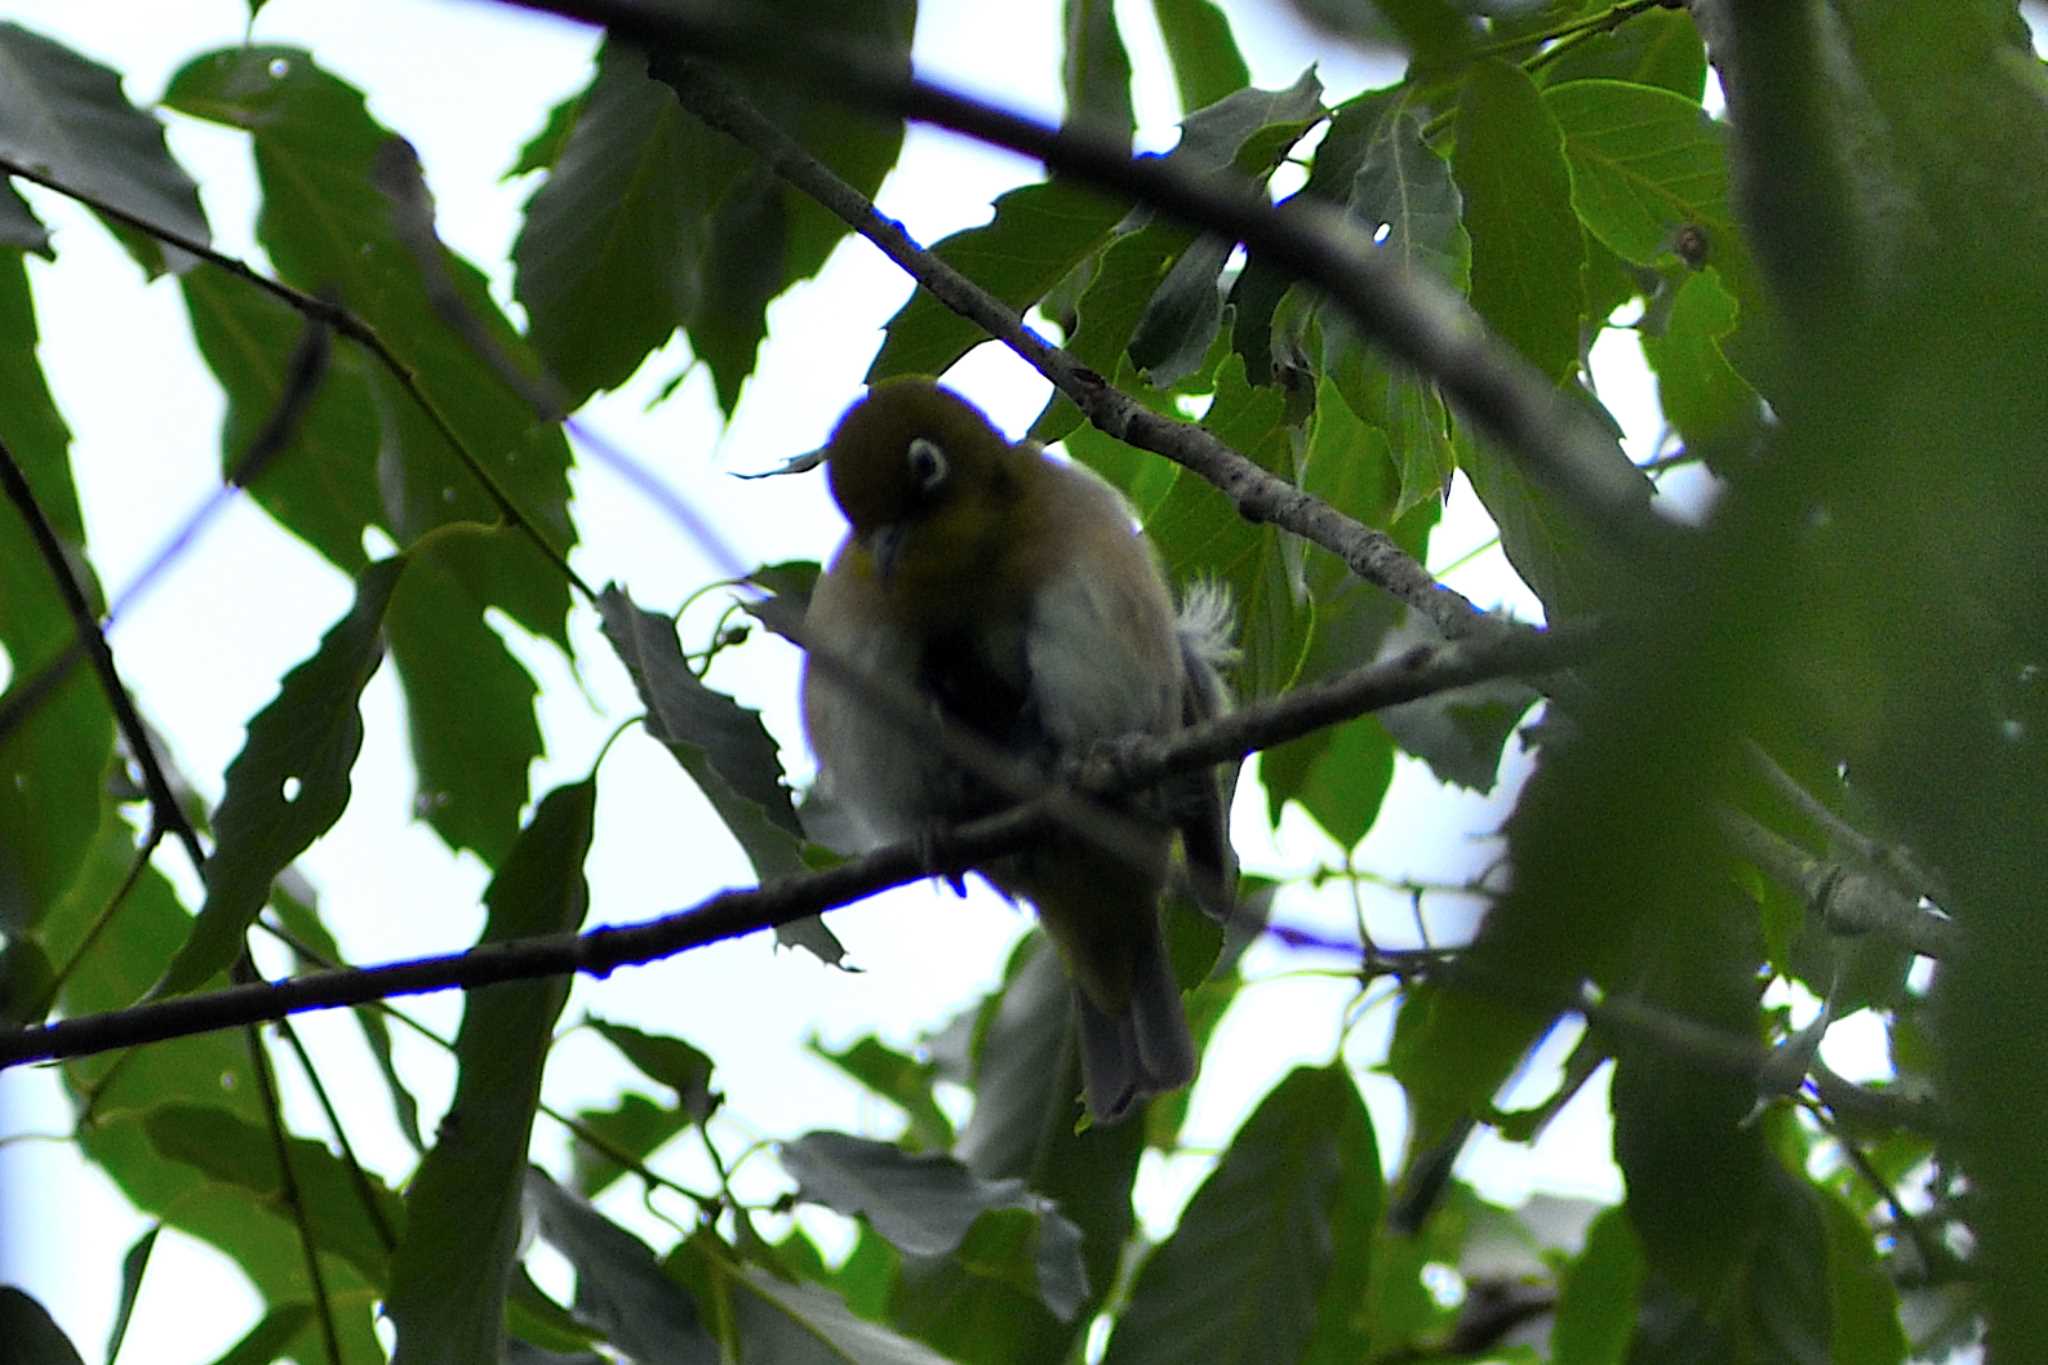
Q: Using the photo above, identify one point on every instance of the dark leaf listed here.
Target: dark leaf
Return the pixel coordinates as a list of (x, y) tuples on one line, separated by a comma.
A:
[(1206, 62), (451, 1271), (620, 1287), (32, 1335), (1096, 71), (670, 1061), (1527, 252), (1243, 1277), (290, 783), (1038, 234), (902, 1080), (66, 116), (631, 1128)]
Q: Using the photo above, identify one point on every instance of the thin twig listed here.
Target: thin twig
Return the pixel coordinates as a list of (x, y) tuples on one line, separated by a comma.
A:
[(1846, 899), (347, 324)]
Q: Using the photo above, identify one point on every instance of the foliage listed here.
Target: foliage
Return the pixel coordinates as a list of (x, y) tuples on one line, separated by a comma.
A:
[(1845, 660)]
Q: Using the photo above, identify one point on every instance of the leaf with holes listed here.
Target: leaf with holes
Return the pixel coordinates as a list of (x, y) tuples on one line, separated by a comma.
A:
[(290, 782)]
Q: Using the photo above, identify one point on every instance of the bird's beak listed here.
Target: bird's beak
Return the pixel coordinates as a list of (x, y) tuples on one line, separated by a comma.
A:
[(886, 545)]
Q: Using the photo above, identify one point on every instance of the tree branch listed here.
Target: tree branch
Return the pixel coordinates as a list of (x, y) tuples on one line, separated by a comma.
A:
[(1847, 900), (1420, 672), (1561, 445)]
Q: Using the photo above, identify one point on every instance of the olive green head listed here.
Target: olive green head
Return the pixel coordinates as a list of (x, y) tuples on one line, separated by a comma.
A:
[(921, 476)]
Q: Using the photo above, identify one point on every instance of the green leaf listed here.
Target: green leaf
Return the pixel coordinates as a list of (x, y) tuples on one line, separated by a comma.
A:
[(451, 1270), (1038, 234), (1244, 1276), (19, 226), (1403, 186), (719, 743), (269, 1339), (620, 1286), (1527, 254), (1647, 166), (290, 783), (328, 226), (1712, 407), (1543, 539), (1460, 733), (609, 258), (1204, 55), (1096, 71), (1596, 1308), (544, 148), (1657, 47), (133, 1266), (1198, 530), (798, 1325), (468, 704), (1011, 1292), (1339, 775), (634, 1127), (1181, 319), (322, 486), (669, 1061), (900, 1079), (1026, 1086), (32, 1335), (1249, 130), (66, 116), (922, 1202), (238, 1155), (1866, 1326)]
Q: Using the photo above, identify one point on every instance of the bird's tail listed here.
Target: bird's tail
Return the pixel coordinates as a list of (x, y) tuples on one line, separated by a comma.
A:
[(1144, 1051)]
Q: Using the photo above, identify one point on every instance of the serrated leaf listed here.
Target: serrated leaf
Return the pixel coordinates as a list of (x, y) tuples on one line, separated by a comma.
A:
[(620, 1286), (452, 1268), (668, 1061), (1249, 130), (1206, 63), (290, 783), (1038, 234), (1648, 165), (545, 146), (1460, 733), (328, 226), (1527, 253), (1011, 1293), (608, 259), (1403, 183), (1243, 1276), (66, 116), (720, 744)]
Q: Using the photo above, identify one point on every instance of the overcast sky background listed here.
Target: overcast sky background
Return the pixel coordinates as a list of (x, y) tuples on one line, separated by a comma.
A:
[(468, 83)]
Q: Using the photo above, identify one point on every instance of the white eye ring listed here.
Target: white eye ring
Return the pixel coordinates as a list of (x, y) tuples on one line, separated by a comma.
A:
[(927, 464)]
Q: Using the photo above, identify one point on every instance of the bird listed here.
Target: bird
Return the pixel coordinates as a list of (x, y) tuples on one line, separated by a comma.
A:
[(1015, 594)]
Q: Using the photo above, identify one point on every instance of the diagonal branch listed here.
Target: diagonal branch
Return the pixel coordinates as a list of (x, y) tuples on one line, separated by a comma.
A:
[(1559, 444)]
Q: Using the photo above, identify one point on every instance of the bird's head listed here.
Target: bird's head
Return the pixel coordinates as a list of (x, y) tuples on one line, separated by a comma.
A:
[(922, 477)]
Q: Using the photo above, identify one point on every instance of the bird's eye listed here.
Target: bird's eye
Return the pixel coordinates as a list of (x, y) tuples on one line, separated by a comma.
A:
[(927, 464)]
